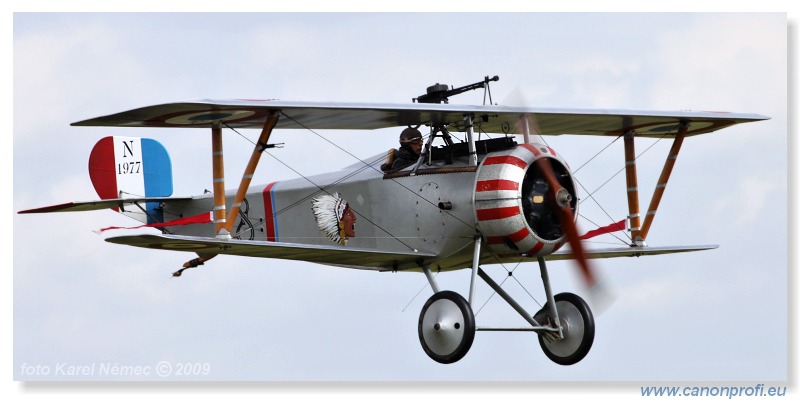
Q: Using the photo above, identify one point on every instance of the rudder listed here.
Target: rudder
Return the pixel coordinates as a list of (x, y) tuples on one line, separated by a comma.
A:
[(121, 167)]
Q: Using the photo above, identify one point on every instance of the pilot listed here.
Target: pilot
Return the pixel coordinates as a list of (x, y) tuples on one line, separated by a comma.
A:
[(410, 148)]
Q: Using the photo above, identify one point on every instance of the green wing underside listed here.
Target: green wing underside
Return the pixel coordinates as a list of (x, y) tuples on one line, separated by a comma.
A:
[(333, 255)]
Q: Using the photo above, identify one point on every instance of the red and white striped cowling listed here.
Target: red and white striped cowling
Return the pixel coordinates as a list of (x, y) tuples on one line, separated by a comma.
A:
[(498, 201)]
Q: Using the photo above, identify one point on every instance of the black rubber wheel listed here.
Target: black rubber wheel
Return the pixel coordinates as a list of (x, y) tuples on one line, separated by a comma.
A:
[(578, 329), (446, 327)]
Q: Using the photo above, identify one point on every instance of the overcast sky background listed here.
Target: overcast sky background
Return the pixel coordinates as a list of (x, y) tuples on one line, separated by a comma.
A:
[(711, 316)]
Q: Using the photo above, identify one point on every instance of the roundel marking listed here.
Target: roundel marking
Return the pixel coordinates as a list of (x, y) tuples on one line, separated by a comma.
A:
[(205, 117), (181, 245)]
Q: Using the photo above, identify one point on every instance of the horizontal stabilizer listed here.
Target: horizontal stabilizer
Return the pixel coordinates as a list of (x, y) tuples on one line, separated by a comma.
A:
[(631, 251), (100, 204), (324, 254)]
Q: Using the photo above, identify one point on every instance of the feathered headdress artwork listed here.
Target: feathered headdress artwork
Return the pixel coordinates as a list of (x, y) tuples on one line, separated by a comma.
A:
[(329, 211)]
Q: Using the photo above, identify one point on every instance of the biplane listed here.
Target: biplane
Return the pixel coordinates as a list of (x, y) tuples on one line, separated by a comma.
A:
[(499, 194)]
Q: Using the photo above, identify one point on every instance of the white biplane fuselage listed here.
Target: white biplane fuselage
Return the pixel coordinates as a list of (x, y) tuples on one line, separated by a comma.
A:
[(436, 210)]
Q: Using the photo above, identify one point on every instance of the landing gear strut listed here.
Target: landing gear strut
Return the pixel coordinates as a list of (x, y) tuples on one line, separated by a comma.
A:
[(577, 326)]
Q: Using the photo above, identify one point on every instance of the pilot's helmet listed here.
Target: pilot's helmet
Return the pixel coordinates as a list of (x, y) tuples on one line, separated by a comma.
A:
[(409, 134)]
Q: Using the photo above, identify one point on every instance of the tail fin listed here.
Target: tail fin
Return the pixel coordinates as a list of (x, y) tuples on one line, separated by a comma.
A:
[(131, 167)]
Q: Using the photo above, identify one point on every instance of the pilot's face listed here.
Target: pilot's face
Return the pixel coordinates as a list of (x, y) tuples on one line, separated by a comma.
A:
[(416, 146), (349, 221)]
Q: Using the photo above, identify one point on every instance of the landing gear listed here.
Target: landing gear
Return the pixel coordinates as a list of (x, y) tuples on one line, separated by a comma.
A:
[(446, 327), (577, 324)]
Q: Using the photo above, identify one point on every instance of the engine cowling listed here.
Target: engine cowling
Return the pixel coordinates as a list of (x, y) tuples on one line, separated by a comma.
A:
[(514, 207)]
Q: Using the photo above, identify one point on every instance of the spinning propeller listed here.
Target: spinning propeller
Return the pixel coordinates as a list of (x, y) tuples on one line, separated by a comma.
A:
[(559, 199)]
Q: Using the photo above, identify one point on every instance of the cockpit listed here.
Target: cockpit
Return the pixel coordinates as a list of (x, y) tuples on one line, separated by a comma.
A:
[(452, 157)]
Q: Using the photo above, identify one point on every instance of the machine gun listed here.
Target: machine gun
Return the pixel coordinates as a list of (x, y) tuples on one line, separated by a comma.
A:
[(438, 93)]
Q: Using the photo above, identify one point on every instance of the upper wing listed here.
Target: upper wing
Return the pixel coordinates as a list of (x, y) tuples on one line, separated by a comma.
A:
[(489, 118), (332, 255)]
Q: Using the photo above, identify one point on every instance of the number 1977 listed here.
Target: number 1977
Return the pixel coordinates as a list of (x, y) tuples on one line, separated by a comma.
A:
[(129, 167)]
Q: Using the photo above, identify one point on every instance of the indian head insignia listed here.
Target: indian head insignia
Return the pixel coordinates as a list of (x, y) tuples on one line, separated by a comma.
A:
[(334, 217)]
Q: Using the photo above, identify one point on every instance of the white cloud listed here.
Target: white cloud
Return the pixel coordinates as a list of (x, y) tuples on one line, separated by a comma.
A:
[(709, 64), (755, 197)]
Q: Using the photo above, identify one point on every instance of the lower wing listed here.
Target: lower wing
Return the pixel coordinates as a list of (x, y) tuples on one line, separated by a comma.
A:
[(632, 251), (355, 257), (331, 255)]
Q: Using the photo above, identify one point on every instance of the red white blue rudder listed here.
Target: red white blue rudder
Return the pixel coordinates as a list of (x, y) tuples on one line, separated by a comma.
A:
[(131, 167)]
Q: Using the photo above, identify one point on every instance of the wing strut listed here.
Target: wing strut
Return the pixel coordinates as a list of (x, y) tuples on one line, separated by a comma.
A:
[(473, 156), (639, 235), (632, 182), (218, 166), (259, 148), (224, 224), (664, 178)]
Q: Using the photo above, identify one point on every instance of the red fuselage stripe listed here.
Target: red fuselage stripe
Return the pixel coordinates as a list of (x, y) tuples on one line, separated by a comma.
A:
[(515, 237), (497, 213), (532, 149), (496, 184), (269, 212), (536, 249), (505, 159)]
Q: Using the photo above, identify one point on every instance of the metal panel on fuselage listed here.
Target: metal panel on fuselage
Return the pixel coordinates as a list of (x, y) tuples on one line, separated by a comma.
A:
[(387, 210), (391, 214), (394, 214)]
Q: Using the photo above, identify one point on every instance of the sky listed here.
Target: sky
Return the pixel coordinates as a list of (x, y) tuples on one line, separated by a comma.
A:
[(716, 316)]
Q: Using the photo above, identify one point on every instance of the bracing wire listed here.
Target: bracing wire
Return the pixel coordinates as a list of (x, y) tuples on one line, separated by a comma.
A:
[(374, 168), (324, 190), (590, 195)]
